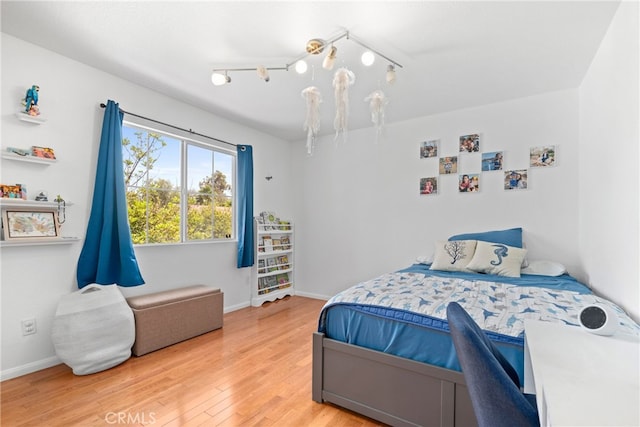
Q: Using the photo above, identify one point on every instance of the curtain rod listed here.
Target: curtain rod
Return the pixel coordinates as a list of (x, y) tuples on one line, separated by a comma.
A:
[(102, 105)]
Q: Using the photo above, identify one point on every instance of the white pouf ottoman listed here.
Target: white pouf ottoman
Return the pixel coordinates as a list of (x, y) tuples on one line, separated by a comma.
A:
[(93, 329)]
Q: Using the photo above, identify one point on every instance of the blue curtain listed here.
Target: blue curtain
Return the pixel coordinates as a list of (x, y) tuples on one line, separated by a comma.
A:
[(245, 206), (107, 256)]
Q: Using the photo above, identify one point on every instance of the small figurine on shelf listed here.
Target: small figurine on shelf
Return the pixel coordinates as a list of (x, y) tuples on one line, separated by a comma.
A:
[(31, 101), (62, 206), (42, 197), (23, 191)]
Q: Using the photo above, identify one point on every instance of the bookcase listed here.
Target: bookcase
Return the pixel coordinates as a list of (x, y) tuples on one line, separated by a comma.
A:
[(274, 268)]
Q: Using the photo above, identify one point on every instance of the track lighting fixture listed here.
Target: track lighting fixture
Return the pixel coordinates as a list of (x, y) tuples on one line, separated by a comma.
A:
[(368, 58), (263, 73), (301, 66), (219, 79), (391, 73), (314, 46), (330, 59)]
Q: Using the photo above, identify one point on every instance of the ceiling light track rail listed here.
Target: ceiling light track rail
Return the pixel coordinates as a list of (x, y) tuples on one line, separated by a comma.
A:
[(314, 46)]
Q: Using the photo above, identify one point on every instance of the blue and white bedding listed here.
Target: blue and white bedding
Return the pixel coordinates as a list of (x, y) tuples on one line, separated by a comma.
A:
[(404, 313)]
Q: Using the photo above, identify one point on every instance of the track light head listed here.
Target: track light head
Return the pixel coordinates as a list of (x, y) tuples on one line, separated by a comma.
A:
[(368, 58), (301, 67), (391, 74), (219, 79), (263, 73), (330, 59)]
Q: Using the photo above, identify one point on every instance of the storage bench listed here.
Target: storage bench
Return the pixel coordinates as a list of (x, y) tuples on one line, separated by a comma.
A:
[(165, 318)]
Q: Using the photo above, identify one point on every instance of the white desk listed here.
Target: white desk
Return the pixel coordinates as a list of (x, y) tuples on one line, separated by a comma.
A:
[(582, 379)]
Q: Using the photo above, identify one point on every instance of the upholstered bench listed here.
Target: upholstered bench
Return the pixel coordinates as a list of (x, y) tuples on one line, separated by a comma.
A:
[(165, 318)]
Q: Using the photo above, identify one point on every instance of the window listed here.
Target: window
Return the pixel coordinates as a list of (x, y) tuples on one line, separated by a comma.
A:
[(178, 189)]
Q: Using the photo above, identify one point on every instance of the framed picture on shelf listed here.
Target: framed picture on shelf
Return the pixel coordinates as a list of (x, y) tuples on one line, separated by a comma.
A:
[(43, 152), (30, 225)]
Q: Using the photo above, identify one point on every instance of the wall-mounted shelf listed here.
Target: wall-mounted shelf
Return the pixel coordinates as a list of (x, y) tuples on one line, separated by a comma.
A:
[(31, 119), (14, 203), (61, 241), (28, 159)]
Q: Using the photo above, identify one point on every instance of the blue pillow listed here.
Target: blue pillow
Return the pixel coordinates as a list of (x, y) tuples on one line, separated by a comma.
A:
[(510, 237)]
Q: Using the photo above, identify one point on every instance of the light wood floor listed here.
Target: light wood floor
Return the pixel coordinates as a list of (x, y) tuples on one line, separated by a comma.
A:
[(255, 371)]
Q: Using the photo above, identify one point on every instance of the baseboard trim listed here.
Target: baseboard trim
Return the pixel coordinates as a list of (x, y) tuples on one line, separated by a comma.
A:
[(312, 295), (29, 368)]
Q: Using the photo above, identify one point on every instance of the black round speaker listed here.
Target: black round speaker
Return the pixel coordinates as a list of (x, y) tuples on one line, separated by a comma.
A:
[(599, 319)]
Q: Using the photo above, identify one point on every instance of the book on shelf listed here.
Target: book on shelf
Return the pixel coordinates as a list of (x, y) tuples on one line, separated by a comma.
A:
[(272, 264), (270, 220), (277, 245), (283, 279), (267, 243), (261, 266), (285, 225), (285, 243), (260, 244), (283, 262), (270, 281)]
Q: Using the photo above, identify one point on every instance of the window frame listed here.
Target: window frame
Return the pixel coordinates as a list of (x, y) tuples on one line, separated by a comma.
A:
[(185, 139)]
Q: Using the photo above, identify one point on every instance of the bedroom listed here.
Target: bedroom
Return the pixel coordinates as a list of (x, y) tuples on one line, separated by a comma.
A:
[(356, 206)]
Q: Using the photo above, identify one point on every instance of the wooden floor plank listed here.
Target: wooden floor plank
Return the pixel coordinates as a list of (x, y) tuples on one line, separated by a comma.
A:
[(255, 371)]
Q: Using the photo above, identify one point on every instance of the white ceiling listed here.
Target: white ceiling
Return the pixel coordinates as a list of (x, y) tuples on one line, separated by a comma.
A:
[(454, 54)]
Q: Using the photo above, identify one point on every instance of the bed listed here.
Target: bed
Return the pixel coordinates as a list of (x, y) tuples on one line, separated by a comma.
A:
[(382, 348)]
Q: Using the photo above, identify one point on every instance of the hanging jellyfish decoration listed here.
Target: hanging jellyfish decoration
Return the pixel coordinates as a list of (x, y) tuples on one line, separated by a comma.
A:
[(312, 122), (342, 79), (377, 104)]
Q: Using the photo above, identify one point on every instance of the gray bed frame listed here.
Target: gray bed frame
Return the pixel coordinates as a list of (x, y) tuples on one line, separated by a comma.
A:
[(388, 388)]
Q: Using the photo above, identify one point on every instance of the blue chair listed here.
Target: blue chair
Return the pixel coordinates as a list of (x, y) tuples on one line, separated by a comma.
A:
[(492, 382)]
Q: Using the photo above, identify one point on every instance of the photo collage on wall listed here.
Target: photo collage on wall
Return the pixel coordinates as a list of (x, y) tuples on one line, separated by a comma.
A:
[(490, 161)]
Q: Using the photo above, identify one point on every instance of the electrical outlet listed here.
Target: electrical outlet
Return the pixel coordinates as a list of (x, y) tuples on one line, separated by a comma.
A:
[(29, 327)]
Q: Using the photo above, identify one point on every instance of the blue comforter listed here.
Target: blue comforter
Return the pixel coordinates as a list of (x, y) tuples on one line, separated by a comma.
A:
[(404, 313)]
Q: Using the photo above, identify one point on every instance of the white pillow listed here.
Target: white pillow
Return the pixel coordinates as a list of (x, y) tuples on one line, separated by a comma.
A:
[(453, 255), (544, 268), (496, 258)]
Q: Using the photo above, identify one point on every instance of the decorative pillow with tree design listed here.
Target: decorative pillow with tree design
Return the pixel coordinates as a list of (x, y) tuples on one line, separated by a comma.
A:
[(453, 255)]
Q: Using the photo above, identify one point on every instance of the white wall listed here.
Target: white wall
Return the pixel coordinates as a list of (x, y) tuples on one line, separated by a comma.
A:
[(609, 183), (360, 213), (34, 278)]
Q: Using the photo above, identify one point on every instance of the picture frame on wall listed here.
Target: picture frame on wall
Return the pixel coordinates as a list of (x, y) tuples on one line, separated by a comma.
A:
[(448, 165), (469, 183), (429, 186), (516, 179), (30, 225), (543, 156), (492, 161), (470, 143), (429, 149)]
